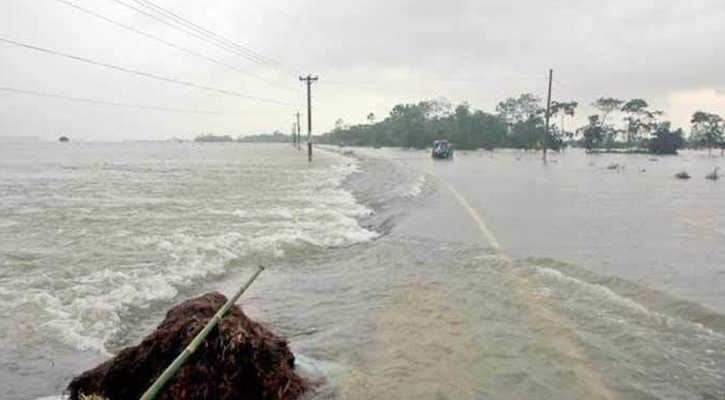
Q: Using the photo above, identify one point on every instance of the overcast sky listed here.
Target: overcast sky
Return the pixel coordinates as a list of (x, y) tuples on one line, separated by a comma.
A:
[(369, 55)]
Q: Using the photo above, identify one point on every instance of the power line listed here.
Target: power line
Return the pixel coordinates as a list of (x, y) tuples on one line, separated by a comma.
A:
[(114, 103), (145, 74), (186, 30), (389, 81), (173, 45), (201, 29), (205, 32)]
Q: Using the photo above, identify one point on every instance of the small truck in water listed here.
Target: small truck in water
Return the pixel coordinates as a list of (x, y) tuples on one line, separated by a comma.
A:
[(442, 149)]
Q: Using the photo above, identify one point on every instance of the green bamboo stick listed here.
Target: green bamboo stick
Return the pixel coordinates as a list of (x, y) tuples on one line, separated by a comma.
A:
[(161, 381)]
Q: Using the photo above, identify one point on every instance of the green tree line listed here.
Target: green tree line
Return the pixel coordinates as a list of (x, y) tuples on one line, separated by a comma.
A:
[(519, 122)]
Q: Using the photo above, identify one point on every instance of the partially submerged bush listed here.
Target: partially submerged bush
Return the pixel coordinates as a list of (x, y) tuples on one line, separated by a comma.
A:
[(713, 176), (616, 167), (682, 175)]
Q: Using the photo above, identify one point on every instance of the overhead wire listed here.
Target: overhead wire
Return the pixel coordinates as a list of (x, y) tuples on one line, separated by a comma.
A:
[(170, 44), (145, 74), (115, 103), (270, 61), (206, 38), (419, 80)]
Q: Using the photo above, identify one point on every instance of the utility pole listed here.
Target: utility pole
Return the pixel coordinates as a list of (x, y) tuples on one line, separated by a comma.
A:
[(309, 79), (548, 112), (298, 129)]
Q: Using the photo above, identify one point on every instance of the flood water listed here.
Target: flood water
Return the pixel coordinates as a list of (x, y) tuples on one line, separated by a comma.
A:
[(490, 276)]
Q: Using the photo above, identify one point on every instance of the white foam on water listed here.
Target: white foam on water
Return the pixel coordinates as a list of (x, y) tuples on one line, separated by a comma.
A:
[(84, 308), (417, 187), (610, 297), (600, 290)]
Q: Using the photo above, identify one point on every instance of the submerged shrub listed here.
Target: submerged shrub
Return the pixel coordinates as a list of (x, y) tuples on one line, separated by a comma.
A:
[(713, 176), (682, 175)]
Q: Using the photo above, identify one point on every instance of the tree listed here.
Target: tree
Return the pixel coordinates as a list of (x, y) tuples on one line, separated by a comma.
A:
[(665, 141), (520, 109), (563, 109), (463, 135), (528, 134), (606, 106), (707, 130), (523, 115), (593, 133), (639, 119), (556, 136), (371, 118)]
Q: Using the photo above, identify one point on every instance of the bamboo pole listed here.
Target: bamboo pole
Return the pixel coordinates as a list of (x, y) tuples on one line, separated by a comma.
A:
[(161, 381)]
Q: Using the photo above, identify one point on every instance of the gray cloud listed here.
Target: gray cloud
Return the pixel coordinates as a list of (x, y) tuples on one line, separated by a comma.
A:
[(369, 55)]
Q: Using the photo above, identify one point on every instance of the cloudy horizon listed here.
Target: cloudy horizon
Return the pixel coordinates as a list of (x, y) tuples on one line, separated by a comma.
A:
[(369, 56)]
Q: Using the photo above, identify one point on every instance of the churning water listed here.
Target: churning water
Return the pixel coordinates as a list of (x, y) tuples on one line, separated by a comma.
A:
[(376, 273)]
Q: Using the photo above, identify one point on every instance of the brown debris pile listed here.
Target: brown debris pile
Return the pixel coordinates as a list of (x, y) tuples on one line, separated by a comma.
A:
[(240, 359)]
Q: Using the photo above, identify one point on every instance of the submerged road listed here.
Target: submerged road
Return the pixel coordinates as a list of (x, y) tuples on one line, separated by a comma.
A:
[(540, 312), (503, 281)]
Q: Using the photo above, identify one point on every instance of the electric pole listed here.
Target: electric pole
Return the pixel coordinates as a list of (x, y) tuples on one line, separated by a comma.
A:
[(548, 111), (298, 129), (309, 79)]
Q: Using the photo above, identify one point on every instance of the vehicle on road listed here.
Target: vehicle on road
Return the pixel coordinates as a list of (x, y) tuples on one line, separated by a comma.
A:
[(442, 149)]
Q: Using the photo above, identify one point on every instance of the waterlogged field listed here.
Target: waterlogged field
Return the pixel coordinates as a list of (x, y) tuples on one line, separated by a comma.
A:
[(491, 276)]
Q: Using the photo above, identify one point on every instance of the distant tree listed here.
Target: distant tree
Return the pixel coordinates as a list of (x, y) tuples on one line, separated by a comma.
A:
[(639, 119), (567, 108), (707, 130), (519, 109), (489, 130), (606, 106), (523, 115), (213, 138), (664, 140), (417, 125), (276, 137), (557, 135), (592, 133), (563, 109), (528, 135), (462, 134), (371, 118), (437, 109)]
